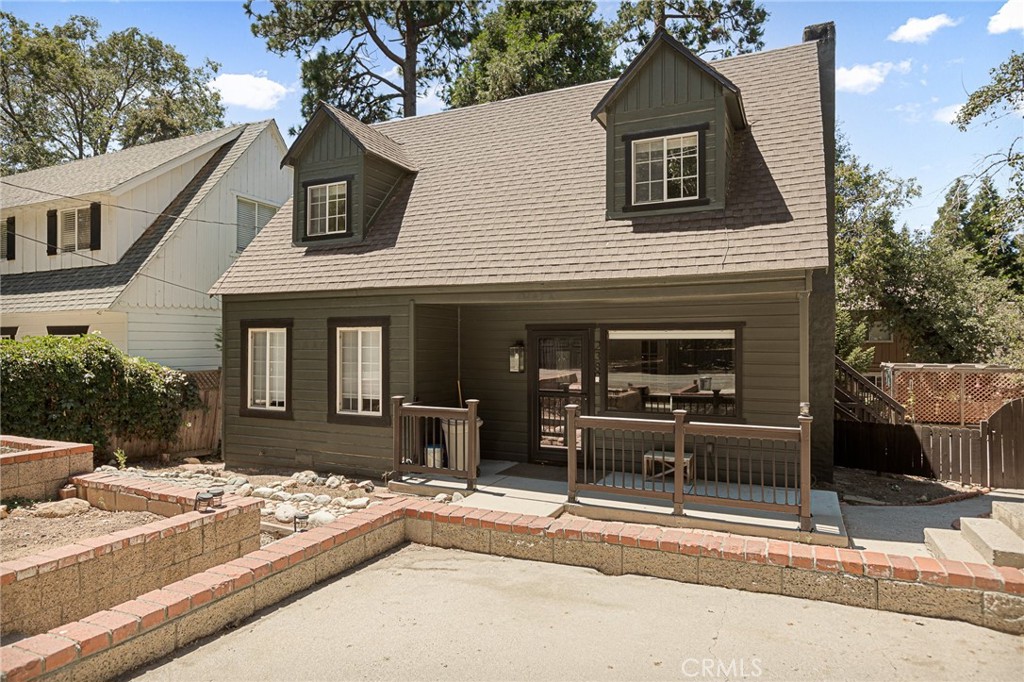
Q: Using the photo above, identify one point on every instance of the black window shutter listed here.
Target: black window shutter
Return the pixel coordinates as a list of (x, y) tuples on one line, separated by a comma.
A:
[(10, 238), (51, 232), (94, 226)]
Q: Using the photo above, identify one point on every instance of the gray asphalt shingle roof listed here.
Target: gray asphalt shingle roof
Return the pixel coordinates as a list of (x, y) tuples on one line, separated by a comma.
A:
[(100, 173), (97, 287), (513, 192)]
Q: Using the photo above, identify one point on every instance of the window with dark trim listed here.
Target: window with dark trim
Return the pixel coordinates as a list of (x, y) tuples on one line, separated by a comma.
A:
[(327, 208), (654, 370), (67, 330), (8, 333), (357, 372), (666, 169), (266, 374)]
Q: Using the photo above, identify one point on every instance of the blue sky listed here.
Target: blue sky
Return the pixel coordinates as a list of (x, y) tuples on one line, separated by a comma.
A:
[(903, 68)]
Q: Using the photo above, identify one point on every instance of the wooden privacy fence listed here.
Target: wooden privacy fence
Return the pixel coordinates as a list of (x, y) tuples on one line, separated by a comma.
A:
[(436, 440), (732, 465), (991, 455), (199, 432), (951, 394)]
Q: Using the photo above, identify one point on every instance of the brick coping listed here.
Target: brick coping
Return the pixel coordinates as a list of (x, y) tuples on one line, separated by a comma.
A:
[(92, 636), (35, 449)]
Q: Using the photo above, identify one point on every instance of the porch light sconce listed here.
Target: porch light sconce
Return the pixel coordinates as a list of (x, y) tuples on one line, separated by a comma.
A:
[(203, 502), (300, 521), (218, 497), (517, 358)]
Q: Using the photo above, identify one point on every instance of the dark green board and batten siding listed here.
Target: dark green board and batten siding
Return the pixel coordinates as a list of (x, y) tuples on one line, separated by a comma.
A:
[(669, 92), (770, 364), (332, 153)]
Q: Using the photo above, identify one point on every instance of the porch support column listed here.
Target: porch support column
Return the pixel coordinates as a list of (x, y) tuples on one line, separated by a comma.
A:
[(804, 300), (412, 348)]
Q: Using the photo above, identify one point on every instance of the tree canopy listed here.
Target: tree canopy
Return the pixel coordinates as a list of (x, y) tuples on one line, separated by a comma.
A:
[(526, 47), (722, 27), (369, 57), (66, 93)]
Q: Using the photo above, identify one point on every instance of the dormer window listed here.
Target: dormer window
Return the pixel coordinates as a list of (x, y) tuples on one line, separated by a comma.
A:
[(665, 170), (327, 209)]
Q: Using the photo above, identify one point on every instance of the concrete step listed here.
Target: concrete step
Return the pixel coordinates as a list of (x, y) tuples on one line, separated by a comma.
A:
[(996, 542), (1011, 514), (945, 543)]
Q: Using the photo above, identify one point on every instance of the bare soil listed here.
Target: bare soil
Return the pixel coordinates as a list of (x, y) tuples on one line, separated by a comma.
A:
[(24, 535), (867, 487)]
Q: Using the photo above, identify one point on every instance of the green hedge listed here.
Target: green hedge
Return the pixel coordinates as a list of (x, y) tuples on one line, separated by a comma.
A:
[(83, 389)]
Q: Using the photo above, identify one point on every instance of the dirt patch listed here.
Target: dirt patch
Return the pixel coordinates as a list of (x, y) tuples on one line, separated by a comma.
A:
[(857, 486), (24, 535)]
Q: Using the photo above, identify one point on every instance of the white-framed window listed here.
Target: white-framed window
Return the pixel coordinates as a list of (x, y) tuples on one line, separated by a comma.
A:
[(665, 169), (360, 374), (268, 360), (251, 217), (327, 209), (75, 233)]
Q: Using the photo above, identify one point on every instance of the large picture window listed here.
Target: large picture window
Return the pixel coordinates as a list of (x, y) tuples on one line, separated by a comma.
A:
[(268, 367), (661, 370), (327, 209)]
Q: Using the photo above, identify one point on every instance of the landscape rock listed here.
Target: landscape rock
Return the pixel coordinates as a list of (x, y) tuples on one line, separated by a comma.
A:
[(322, 500), (441, 497), (285, 513), (321, 518), (366, 485), (62, 508), (238, 480), (244, 490), (333, 482), (3, 511), (191, 460), (358, 503), (458, 497), (281, 496), (302, 497), (263, 492), (290, 483)]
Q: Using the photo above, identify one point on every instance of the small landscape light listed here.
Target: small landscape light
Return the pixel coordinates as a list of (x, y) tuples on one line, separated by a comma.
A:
[(203, 502), (300, 521), (218, 496)]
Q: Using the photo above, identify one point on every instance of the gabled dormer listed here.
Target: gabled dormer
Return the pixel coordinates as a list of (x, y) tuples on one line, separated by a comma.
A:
[(670, 120), (345, 171)]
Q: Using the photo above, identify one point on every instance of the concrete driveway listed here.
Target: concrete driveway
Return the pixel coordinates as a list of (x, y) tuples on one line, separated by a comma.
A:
[(431, 614)]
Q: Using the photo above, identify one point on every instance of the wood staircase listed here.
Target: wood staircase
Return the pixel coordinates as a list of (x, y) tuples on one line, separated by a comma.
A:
[(858, 399)]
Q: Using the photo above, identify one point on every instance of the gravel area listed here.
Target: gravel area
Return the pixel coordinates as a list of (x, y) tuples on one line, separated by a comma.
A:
[(21, 534)]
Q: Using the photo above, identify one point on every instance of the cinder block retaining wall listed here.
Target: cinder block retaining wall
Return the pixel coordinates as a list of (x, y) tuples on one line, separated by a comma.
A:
[(40, 467), (42, 591), (131, 634)]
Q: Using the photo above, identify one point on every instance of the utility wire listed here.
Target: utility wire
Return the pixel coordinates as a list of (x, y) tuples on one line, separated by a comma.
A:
[(123, 208), (102, 262)]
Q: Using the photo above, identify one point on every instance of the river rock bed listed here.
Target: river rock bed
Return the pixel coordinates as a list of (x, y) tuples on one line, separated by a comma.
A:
[(324, 497)]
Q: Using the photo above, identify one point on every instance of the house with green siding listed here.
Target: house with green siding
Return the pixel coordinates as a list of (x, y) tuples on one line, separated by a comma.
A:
[(658, 242)]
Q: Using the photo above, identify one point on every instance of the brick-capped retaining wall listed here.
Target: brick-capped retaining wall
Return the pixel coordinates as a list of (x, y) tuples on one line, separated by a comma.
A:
[(41, 591), (39, 468), (145, 629)]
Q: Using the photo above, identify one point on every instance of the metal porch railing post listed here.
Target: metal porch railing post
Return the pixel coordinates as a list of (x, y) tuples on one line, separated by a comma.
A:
[(473, 447), (396, 436), (570, 441), (678, 479), (805, 420)]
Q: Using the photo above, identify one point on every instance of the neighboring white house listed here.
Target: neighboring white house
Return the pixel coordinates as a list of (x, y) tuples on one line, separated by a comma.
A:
[(128, 243)]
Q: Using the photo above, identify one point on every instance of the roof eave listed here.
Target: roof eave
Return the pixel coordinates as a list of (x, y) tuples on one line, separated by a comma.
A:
[(211, 146)]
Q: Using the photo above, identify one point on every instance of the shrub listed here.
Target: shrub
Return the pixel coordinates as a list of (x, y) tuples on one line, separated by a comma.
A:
[(84, 389)]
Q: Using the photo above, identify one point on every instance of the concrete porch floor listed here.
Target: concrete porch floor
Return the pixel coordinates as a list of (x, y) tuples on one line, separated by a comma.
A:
[(499, 491)]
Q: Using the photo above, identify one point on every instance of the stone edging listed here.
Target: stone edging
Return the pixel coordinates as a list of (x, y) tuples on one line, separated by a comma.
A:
[(155, 624)]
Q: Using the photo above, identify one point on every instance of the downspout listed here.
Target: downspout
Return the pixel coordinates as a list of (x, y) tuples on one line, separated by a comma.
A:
[(804, 298), (412, 349)]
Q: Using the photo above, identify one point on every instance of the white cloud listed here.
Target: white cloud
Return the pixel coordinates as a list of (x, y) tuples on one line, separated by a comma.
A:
[(252, 91), (1010, 17), (947, 114), (865, 78), (909, 112), (430, 102), (917, 30)]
